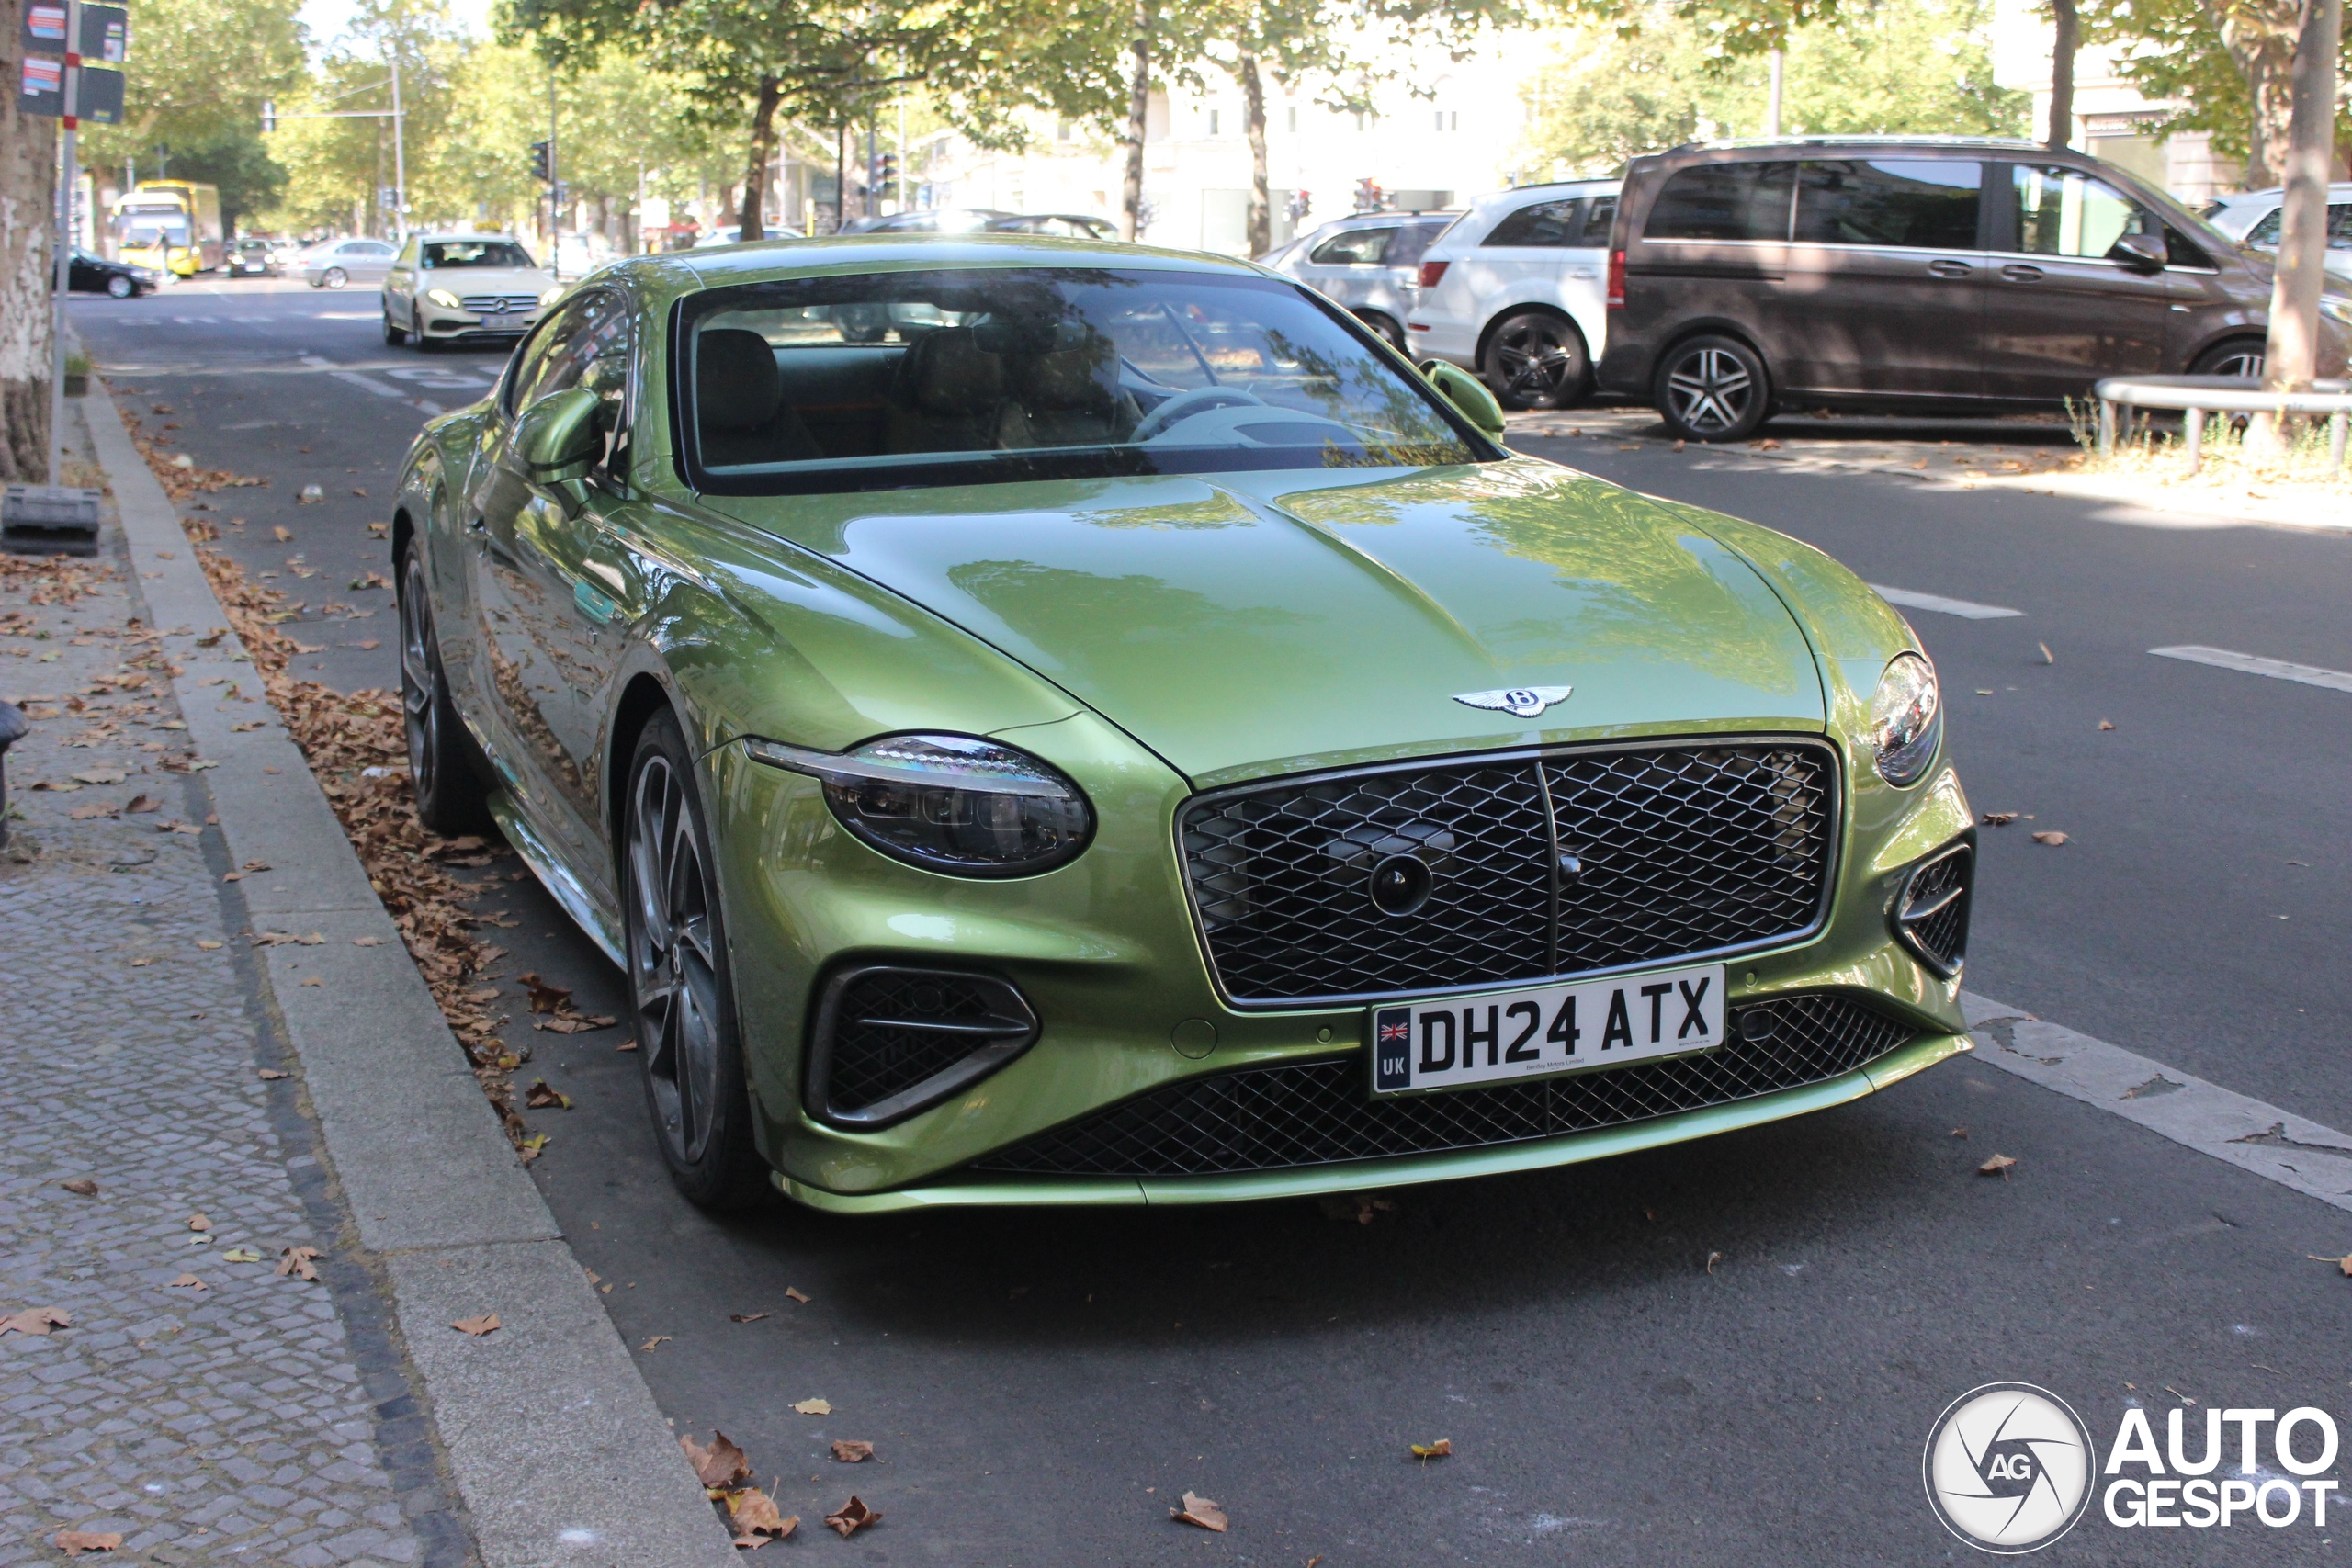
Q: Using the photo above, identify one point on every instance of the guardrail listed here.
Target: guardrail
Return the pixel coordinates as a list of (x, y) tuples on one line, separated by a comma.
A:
[(2197, 396)]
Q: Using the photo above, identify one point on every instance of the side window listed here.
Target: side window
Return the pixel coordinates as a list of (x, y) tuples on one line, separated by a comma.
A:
[(1926, 204), (2266, 231), (1546, 223), (1356, 247), (1412, 240), (1599, 218), (408, 255), (587, 344), (1723, 201), (2064, 212)]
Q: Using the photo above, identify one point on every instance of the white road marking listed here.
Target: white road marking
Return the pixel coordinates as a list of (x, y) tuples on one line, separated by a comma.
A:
[(381, 389), (1966, 609), (2275, 1145), (2254, 664)]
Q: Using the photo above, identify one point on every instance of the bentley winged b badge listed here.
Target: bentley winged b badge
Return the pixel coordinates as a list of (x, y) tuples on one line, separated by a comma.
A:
[(1519, 701)]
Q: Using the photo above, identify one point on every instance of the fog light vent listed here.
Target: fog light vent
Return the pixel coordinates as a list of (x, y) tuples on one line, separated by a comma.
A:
[(1932, 914), (889, 1041)]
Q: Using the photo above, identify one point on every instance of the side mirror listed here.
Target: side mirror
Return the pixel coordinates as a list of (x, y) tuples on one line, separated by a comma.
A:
[(558, 438), (1467, 393), (2141, 253)]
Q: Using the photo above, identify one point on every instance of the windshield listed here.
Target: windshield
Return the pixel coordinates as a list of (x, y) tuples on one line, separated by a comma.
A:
[(476, 252), (154, 226), (986, 375)]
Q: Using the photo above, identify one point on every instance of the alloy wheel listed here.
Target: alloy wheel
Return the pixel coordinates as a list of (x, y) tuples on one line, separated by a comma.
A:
[(1537, 360), (674, 968), (119, 286), (1711, 390), (2247, 362), (420, 678), (336, 278)]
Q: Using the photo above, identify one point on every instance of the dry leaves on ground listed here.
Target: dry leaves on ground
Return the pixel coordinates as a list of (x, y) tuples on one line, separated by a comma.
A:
[(540, 1097), (657, 1339), (849, 1450), (1998, 1166), (2052, 838), (297, 1261), (240, 1255), (75, 1542), (745, 1317), (1998, 818), (199, 1222), (1197, 1510), (794, 1293), (757, 1520), (1442, 1448), (81, 1185), (187, 1282), (717, 1463), (2343, 1263), (814, 1407), (475, 1328), (35, 1322), (855, 1516)]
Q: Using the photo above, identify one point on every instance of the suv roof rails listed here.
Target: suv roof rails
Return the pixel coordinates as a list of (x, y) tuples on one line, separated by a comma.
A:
[(1874, 141)]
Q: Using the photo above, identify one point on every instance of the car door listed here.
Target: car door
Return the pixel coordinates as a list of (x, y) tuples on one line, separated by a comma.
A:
[(1886, 278), (2060, 310), (1523, 258), (1713, 247), (1346, 266), (400, 287)]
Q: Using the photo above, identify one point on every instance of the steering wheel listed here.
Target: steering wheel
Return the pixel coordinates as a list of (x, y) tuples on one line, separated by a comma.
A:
[(1184, 405)]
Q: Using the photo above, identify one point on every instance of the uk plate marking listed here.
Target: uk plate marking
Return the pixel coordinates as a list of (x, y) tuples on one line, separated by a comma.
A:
[(1506, 1035)]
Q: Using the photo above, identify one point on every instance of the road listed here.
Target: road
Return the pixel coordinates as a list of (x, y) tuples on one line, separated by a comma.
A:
[(1726, 1353)]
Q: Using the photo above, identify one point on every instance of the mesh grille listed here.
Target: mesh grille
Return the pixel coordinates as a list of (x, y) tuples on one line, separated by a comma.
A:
[(1319, 1112), (874, 1055), (516, 304), (1675, 851), (1941, 934)]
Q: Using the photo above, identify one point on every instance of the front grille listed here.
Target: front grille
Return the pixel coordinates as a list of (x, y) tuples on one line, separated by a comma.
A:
[(1931, 916), (888, 1040), (1320, 1112), (1531, 866), (512, 304)]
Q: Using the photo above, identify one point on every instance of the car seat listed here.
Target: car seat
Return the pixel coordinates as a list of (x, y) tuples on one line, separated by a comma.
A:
[(740, 412), (948, 395)]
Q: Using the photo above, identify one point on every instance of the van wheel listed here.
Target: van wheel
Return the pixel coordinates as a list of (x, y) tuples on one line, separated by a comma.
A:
[(1713, 389), (1535, 360), (2245, 357), (1388, 329)]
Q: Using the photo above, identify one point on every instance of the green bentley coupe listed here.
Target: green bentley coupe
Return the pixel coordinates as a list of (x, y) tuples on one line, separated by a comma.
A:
[(1050, 722)]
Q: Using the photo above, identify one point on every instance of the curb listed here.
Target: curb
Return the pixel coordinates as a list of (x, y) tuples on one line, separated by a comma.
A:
[(554, 1441)]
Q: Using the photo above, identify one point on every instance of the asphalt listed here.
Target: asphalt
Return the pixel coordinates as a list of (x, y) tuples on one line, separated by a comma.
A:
[(1723, 1353)]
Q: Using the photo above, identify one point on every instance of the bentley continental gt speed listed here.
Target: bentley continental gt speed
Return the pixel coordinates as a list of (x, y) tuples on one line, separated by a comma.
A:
[(1048, 722)]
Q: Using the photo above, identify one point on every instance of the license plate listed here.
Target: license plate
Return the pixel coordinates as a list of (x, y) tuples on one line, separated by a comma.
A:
[(1540, 1033)]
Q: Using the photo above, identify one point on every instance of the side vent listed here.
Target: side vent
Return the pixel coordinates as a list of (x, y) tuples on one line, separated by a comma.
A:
[(1932, 914), (889, 1041)]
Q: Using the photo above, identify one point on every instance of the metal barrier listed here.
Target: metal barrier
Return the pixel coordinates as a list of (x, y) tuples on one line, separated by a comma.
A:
[(2197, 396)]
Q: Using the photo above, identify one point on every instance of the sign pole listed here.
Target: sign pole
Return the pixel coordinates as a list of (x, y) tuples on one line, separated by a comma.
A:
[(67, 175)]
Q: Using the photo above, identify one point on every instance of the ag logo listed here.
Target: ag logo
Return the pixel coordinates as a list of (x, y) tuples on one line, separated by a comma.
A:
[(2008, 1468)]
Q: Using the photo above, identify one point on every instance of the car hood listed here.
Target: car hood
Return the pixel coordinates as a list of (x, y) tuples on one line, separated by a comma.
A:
[(1240, 625)]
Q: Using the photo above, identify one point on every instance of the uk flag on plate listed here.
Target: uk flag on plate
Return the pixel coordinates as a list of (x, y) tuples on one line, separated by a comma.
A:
[(1392, 1045)]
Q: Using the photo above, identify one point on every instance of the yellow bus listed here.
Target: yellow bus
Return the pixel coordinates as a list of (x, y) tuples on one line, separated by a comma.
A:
[(170, 223)]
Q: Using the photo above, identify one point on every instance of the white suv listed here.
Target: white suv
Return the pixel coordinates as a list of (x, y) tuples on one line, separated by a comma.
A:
[(1515, 291)]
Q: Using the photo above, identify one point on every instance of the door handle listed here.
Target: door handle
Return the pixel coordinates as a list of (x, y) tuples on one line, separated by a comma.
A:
[(2018, 272), (1947, 268)]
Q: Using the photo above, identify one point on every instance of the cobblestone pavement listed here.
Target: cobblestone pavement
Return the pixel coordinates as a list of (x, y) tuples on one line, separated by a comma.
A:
[(197, 1401)]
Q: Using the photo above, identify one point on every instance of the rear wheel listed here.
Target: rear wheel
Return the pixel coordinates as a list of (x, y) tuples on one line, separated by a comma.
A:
[(1535, 360), (682, 996), (2245, 358), (1713, 389), (1385, 326), (445, 768), (334, 278)]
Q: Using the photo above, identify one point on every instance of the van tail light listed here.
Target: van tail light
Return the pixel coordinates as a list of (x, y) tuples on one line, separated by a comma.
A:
[(1433, 274), (1616, 280)]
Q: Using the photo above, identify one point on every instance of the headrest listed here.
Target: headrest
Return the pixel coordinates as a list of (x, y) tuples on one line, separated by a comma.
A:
[(1082, 377), (947, 372), (736, 384)]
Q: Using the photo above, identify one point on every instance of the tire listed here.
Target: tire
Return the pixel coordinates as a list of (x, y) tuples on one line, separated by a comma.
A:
[(681, 995), (1390, 332), (1713, 389), (445, 769), (2243, 357), (120, 287), (1534, 360), (334, 277), (393, 337)]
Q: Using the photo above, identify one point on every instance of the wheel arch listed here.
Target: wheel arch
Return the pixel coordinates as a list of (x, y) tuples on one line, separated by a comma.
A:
[(644, 697), (1733, 330), (1540, 307), (2224, 337)]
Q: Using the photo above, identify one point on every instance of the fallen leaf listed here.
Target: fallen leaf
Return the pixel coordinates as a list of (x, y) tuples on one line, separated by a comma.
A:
[(2103, 724), (95, 808), (295, 1262), (540, 1097), (240, 1255), (143, 803), (544, 997), (2047, 656), (1678, 446), (1197, 1510), (792, 1292), (757, 1520), (271, 1074), (35, 1322), (82, 1185), (814, 1407), (1998, 818), (187, 1282), (2053, 840), (1713, 1259), (366, 942), (2343, 1263), (1441, 1448), (1960, 1133), (357, 490), (75, 1542), (575, 1024), (207, 945), (316, 938), (199, 1222), (745, 1317), (1998, 1166), (314, 980), (477, 1326), (532, 1146), (281, 532), (101, 776), (849, 1450), (855, 1516), (721, 1463)]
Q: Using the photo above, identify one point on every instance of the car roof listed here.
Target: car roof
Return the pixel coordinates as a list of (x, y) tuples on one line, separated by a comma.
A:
[(1874, 140), (436, 236), (760, 260)]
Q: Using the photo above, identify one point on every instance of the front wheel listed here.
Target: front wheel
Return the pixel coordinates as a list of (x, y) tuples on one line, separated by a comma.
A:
[(1535, 360), (1713, 389), (393, 337), (445, 769), (334, 278), (2246, 358), (682, 996), (120, 287)]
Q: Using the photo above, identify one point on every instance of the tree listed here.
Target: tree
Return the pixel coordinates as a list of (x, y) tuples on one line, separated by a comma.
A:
[(2067, 41), (2227, 63), (27, 198), (2292, 357)]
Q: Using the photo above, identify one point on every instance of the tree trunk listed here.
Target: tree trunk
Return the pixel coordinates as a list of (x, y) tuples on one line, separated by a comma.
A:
[(2292, 357), (2062, 72), (749, 225), (1253, 119), (1138, 116), (841, 177), (27, 206), (2260, 36)]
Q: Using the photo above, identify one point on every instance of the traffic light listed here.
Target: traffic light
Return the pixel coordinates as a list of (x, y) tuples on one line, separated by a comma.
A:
[(539, 160), (889, 168), (1370, 197), (268, 116)]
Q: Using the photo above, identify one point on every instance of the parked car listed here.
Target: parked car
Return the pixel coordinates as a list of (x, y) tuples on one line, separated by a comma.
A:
[(1124, 737), (733, 235), (2255, 217), (250, 258), (87, 273), (463, 288), (931, 221), (1913, 276), (1062, 225), (341, 262), (1369, 263), (1514, 292)]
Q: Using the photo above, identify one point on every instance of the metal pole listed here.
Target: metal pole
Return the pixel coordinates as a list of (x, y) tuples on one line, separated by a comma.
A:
[(2106, 428), (555, 190), (400, 152), (2336, 433), (64, 256), (1772, 107), (2196, 437)]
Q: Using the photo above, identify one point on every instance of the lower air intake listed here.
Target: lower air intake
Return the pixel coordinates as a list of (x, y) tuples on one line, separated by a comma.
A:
[(889, 1041), (1931, 916)]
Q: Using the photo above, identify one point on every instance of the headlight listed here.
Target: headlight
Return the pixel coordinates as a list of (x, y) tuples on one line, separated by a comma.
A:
[(548, 298), (444, 299), (948, 802), (1907, 720)]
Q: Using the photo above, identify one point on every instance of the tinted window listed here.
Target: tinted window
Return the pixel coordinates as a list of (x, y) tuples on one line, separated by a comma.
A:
[(1599, 218), (1723, 201), (585, 345), (1546, 223), (2064, 212), (1889, 202), (1412, 240), (476, 252), (1356, 247), (2339, 226)]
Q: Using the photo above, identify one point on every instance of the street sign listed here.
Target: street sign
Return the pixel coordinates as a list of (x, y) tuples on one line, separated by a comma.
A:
[(98, 99), (105, 33), (45, 26), (42, 91)]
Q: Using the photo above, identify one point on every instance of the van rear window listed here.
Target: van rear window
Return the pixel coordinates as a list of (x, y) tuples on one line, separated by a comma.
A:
[(1723, 201)]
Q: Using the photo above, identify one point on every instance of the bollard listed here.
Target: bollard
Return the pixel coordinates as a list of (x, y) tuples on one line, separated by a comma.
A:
[(2105, 429), (2335, 422), (2194, 432)]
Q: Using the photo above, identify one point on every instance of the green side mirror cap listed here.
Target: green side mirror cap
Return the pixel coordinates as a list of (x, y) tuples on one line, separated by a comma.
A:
[(557, 436), (1467, 393)]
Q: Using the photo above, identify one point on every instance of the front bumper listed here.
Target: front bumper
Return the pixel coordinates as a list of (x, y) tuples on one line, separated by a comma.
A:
[(440, 323)]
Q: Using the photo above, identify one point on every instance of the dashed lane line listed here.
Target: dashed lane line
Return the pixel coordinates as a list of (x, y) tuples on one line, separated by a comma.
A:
[(362, 380), (1966, 609), (2254, 664), (2275, 1145)]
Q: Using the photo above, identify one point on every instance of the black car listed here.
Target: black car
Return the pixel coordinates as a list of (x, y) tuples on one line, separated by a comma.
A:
[(95, 275), (250, 258), (1913, 276)]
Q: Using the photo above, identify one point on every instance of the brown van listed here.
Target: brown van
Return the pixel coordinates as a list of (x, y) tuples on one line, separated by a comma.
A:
[(1900, 275)]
